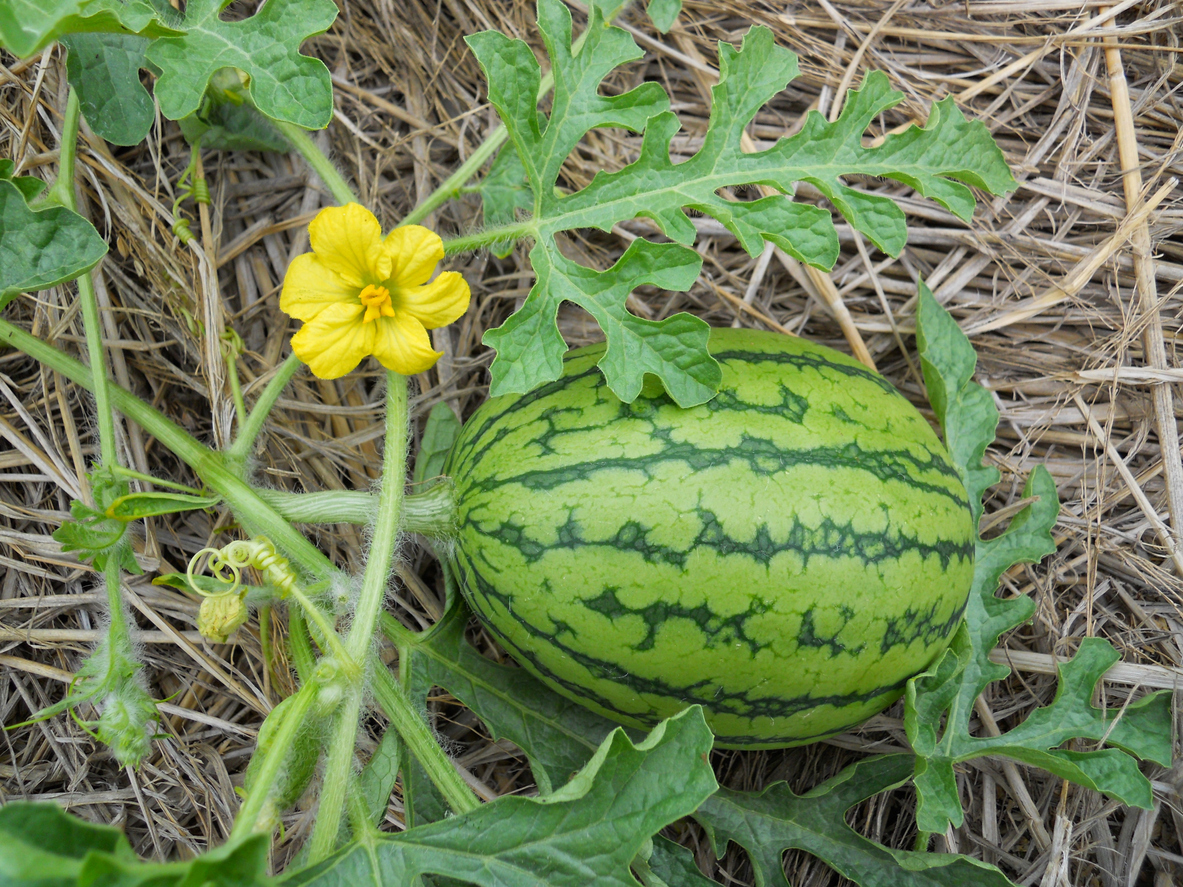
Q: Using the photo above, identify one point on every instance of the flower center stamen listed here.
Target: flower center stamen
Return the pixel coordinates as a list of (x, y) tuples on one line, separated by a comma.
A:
[(377, 301)]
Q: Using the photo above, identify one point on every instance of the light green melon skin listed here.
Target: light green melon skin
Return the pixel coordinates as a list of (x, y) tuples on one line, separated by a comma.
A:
[(641, 558)]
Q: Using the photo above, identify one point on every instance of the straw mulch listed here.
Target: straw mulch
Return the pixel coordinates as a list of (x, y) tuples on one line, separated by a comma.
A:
[(1069, 289)]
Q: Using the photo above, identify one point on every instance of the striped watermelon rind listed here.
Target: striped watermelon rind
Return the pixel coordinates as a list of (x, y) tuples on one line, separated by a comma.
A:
[(786, 555)]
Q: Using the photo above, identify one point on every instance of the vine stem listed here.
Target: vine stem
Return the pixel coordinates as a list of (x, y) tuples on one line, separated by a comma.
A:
[(384, 541), (325, 168), (63, 192), (252, 808), (256, 515)]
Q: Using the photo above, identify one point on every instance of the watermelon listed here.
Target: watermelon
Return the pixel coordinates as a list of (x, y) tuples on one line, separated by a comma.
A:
[(786, 555)]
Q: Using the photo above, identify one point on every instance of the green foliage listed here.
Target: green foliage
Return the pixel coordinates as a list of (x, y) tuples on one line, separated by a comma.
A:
[(104, 70), (40, 248), (558, 736), (94, 533), (946, 693), (586, 833), (939, 161), (223, 125), (283, 84), (439, 433), (767, 823), (28, 26), (43, 846), (111, 40), (133, 506), (380, 774)]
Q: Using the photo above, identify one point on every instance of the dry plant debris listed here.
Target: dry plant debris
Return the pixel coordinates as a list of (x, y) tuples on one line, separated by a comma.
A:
[(1069, 289)]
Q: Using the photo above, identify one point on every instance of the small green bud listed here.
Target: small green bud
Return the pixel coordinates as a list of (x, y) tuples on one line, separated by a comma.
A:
[(220, 615)]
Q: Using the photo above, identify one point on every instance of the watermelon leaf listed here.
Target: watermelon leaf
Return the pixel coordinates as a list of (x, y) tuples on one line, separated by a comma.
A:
[(558, 736), (439, 433), (939, 160), (282, 83), (768, 823), (28, 26), (43, 846), (104, 70), (586, 833), (946, 693), (40, 248)]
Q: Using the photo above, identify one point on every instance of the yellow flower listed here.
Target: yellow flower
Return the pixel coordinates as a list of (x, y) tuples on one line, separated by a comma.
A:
[(359, 294)]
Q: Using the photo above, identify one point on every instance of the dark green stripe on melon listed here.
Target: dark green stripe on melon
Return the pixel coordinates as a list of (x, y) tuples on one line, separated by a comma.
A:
[(786, 555)]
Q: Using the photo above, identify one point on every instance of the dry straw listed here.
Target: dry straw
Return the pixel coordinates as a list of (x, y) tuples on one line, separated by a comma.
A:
[(1069, 288)]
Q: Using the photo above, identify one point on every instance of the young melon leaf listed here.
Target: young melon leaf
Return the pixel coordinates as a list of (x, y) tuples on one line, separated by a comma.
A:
[(104, 70), (439, 433), (225, 126), (939, 161), (558, 736), (28, 26), (586, 833), (40, 248), (43, 846), (768, 823), (380, 774), (283, 84), (946, 693), (675, 865), (663, 13)]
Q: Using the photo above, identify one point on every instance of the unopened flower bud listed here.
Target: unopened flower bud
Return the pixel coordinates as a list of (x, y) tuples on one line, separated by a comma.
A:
[(220, 615)]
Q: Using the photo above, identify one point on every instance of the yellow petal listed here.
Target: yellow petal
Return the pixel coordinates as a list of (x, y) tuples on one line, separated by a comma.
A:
[(437, 303), (348, 239), (309, 287), (414, 252), (402, 345), (335, 341)]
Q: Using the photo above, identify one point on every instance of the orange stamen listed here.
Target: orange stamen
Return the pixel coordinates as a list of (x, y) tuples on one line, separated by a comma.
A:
[(377, 301)]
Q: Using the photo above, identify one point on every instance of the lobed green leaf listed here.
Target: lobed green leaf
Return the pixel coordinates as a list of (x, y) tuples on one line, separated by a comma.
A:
[(43, 846), (940, 160), (28, 26), (768, 823), (283, 84), (586, 833), (104, 70), (940, 701)]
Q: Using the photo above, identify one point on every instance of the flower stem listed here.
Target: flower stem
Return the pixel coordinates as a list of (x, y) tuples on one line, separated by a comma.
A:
[(339, 765), (63, 192), (250, 429), (328, 172)]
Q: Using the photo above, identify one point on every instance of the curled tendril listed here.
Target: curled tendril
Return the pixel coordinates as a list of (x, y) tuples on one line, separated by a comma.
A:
[(227, 563), (218, 565)]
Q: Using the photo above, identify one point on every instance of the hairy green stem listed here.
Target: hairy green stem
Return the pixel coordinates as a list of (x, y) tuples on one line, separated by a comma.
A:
[(339, 766), (413, 730), (250, 429), (430, 513), (258, 517), (490, 236), (328, 172), (272, 767)]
